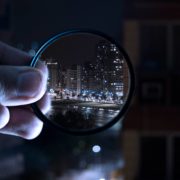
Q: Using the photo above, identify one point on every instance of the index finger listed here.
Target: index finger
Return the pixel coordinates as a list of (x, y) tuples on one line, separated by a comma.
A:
[(12, 56)]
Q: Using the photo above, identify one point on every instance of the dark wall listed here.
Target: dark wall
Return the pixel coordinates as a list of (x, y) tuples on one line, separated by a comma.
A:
[(36, 20)]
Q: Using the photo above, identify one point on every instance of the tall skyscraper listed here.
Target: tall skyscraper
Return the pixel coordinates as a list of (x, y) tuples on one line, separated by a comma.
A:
[(53, 81), (73, 79), (110, 68), (89, 81)]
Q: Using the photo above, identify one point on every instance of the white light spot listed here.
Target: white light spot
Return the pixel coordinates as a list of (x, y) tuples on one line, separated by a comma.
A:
[(96, 148)]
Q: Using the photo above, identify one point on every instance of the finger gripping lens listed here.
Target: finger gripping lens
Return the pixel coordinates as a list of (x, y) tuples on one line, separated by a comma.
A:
[(91, 81)]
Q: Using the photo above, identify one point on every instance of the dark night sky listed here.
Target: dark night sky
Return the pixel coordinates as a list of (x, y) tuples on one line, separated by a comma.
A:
[(34, 20), (74, 49)]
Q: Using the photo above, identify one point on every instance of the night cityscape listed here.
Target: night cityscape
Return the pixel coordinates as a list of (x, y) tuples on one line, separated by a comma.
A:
[(85, 89), (102, 81), (145, 144)]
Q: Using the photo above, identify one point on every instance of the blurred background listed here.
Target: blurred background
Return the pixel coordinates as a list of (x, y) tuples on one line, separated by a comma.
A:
[(146, 145)]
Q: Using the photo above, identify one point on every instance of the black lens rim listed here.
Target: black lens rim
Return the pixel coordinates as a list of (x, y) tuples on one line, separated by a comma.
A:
[(125, 107)]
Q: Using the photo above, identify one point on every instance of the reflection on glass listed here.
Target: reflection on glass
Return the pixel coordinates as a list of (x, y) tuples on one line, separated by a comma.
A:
[(88, 80)]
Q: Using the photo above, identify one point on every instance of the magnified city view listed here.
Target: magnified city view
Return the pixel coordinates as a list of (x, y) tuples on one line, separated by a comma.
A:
[(88, 81)]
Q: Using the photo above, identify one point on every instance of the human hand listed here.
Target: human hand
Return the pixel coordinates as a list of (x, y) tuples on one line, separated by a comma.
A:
[(20, 86)]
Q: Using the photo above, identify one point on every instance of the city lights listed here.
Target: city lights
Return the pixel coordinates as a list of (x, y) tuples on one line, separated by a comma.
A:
[(99, 81)]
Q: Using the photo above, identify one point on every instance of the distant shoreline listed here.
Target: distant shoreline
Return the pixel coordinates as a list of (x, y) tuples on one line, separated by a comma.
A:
[(86, 104)]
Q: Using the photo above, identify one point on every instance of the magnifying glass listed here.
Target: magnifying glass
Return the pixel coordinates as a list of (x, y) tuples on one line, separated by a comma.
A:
[(91, 81)]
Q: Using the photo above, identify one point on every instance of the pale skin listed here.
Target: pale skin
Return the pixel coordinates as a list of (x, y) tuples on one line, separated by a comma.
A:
[(21, 85)]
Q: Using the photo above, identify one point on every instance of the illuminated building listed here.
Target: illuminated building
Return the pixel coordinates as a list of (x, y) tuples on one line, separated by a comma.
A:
[(53, 81), (73, 79), (78, 79), (110, 68), (89, 77)]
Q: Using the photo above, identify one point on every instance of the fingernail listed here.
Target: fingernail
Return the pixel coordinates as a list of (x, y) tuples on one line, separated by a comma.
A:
[(29, 83)]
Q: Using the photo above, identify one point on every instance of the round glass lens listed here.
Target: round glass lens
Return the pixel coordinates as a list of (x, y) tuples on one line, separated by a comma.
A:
[(90, 80)]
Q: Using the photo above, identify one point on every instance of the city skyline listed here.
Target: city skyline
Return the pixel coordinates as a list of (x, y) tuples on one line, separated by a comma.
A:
[(105, 74)]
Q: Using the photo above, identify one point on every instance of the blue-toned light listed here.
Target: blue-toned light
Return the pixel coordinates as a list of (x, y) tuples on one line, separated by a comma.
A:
[(96, 148)]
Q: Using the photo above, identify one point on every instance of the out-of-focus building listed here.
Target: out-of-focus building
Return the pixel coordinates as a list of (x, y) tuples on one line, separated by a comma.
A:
[(151, 136)]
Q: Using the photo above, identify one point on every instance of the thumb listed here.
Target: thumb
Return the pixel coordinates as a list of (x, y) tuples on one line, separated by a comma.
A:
[(20, 85)]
